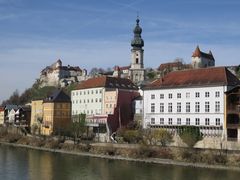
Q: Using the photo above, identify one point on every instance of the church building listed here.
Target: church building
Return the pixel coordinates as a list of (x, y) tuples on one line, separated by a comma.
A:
[(135, 71)]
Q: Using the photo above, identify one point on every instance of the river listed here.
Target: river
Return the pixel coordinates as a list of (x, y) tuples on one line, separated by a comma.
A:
[(27, 164)]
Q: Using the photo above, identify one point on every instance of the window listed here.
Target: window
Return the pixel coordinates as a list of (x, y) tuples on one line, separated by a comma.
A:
[(92, 100), (170, 121), (188, 95), (178, 107), (161, 96), (207, 106), (197, 121), (92, 91), (96, 100), (88, 91), (206, 94), (170, 96), (178, 95), (187, 106), (217, 106), (217, 121), (197, 106), (80, 93), (152, 96), (73, 101), (152, 120), (169, 107), (162, 121), (152, 107), (73, 93), (187, 121), (100, 100), (207, 121), (197, 94), (136, 60), (178, 121), (76, 93), (217, 94), (161, 107)]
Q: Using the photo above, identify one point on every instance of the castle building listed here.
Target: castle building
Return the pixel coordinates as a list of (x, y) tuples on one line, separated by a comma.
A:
[(59, 75), (201, 59)]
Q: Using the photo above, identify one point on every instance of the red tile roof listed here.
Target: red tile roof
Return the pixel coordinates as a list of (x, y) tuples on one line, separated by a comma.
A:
[(170, 65), (196, 77), (108, 82), (199, 53)]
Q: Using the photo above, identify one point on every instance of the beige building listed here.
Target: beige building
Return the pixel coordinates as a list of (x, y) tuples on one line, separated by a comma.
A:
[(1, 115), (36, 116), (56, 113)]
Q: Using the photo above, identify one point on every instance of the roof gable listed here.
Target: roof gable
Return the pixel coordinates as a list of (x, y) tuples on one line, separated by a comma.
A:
[(199, 53)]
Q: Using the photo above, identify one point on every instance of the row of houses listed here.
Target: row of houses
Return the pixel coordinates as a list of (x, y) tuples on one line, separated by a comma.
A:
[(106, 101), (15, 115), (208, 98)]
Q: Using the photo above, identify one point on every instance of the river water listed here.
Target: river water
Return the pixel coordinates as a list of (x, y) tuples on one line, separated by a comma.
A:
[(20, 163)]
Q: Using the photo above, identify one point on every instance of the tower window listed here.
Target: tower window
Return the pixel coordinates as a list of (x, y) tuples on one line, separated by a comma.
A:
[(136, 60)]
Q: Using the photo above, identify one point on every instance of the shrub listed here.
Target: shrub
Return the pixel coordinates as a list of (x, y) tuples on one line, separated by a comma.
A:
[(132, 136), (190, 135), (145, 151), (161, 136), (12, 138)]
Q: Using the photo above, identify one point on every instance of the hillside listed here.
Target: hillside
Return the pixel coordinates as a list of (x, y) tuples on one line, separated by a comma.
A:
[(34, 93)]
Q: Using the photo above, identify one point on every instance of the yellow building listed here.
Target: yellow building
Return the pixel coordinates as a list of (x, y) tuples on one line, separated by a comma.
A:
[(36, 116), (56, 113), (1, 115)]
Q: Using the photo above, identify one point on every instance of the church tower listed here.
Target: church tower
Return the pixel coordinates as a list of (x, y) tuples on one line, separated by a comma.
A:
[(137, 72)]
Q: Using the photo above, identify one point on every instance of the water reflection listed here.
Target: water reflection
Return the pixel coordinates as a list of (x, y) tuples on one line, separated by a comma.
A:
[(19, 163)]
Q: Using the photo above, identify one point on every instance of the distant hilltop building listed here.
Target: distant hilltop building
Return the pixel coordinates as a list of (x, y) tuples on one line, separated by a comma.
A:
[(201, 59), (135, 71), (59, 75)]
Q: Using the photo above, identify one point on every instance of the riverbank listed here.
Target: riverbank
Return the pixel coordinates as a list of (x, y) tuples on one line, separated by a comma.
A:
[(119, 157)]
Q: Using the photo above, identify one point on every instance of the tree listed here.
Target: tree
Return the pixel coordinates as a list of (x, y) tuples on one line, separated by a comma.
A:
[(161, 136), (238, 71), (151, 75), (190, 135), (78, 126)]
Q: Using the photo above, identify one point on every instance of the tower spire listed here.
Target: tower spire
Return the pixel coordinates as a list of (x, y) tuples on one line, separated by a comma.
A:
[(137, 41)]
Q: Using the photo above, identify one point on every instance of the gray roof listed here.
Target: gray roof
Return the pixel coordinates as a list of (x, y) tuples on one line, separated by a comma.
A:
[(58, 96)]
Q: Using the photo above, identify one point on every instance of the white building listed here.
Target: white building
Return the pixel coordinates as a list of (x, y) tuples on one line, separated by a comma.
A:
[(201, 59), (189, 97), (90, 97)]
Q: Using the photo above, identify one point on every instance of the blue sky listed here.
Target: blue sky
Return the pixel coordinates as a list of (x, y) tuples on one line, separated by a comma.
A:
[(90, 33)]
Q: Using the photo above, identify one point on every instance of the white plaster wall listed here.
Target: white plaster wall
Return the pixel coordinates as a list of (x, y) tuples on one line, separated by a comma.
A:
[(212, 115), (88, 107)]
